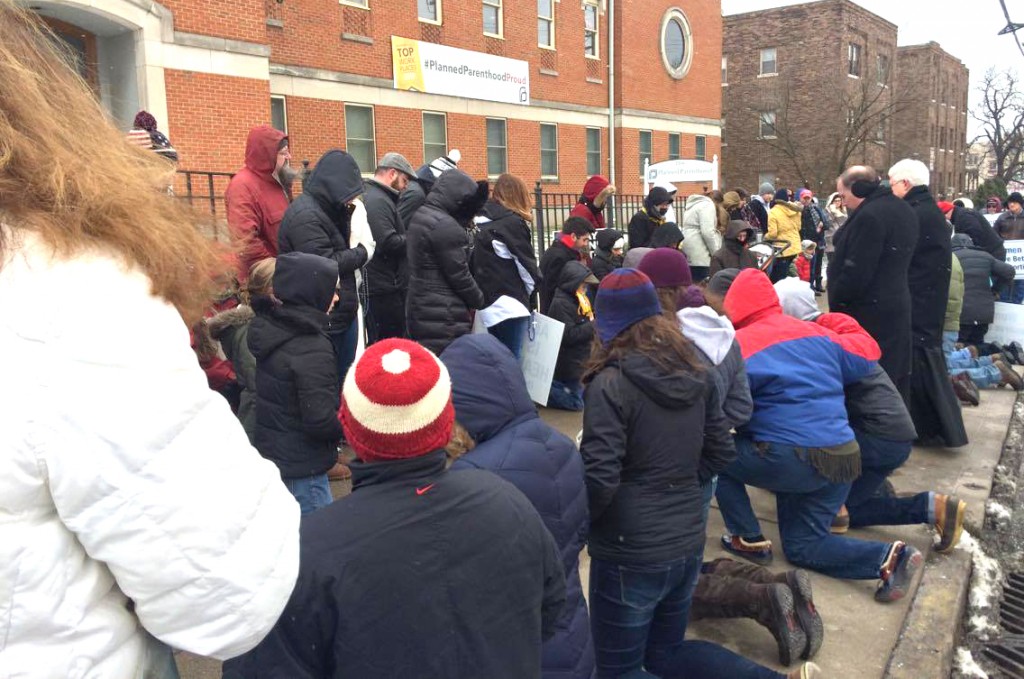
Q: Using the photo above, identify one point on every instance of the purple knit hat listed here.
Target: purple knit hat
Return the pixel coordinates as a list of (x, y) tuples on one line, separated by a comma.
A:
[(625, 297), (666, 268)]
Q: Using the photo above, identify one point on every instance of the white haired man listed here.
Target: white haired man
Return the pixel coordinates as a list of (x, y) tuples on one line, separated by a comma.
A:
[(933, 404)]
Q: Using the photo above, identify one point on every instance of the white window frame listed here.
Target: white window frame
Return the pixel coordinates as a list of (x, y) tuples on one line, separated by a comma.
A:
[(284, 107), (640, 151), (434, 22), (762, 118), (588, 5), (851, 49), (498, 5), (676, 15), (544, 175), (588, 152), (358, 4), (488, 147), (775, 62), (696, 147), (725, 71), (679, 146), (366, 172), (551, 21), (423, 127), (883, 78)]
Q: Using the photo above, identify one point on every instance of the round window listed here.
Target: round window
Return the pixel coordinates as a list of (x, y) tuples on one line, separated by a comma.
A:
[(676, 43)]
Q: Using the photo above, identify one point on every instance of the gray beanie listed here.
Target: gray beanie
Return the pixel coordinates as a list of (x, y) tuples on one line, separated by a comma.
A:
[(766, 188), (396, 161), (722, 281)]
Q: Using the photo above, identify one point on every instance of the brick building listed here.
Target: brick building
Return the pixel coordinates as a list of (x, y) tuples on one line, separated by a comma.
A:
[(806, 90), (933, 125), (322, 70), (811, 89)]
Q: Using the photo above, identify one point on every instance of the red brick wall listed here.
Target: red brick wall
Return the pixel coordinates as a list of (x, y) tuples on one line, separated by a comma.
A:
[(238, 19), (210, 117)]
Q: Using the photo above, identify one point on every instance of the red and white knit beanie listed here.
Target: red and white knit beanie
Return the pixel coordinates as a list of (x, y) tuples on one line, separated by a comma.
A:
[(397, 402)]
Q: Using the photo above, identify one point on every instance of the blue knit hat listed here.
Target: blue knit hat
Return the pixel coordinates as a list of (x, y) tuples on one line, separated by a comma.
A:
[(625, 297)]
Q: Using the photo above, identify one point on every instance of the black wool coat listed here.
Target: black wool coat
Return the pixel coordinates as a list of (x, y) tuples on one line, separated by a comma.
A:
[(867, 275), (442, 292), (386, 273), (973, 224), (552, 262), (930, 269), (317, 222), (496, 275)]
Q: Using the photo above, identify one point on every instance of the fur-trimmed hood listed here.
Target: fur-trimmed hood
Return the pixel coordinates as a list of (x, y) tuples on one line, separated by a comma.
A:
[(240, 315)]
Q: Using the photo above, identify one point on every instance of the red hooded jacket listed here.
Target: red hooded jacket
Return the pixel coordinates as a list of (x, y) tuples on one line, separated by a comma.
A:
[(585, 208), (256, 201)]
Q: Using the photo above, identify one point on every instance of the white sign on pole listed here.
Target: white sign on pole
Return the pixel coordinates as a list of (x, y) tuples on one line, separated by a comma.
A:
[(682, 170), (1015, 256), (539, 355), (438, 69)]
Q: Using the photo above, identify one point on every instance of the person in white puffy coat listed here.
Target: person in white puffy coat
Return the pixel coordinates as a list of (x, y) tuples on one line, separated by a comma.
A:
[(701, 238), (134, 515)]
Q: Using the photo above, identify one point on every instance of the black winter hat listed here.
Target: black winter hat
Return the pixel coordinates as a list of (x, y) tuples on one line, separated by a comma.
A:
[(1015, 197), (782, 194), (658, 195)]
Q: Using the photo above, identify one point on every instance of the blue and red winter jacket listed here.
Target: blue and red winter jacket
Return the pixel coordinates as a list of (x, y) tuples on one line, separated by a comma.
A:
[(797, 369)]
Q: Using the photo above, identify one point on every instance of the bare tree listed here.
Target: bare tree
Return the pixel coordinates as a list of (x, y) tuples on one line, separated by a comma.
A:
[(1001, 114)]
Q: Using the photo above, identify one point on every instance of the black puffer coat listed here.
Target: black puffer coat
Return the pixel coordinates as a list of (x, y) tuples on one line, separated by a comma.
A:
[(930, 269), (496, 275), (317, 222), (386, 273), (297, 395), (442, 292), (867, 275), (415, 194), (579, 330), (604, 261), (552, 262), (650, 440), (973, 224), (984, 276)]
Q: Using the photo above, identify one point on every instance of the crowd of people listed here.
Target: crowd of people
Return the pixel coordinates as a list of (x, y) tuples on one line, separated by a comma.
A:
[(148, 507)]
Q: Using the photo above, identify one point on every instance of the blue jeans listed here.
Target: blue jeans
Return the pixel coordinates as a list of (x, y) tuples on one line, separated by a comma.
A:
[(983, 376), (1014, 294), (345, 343), (638, 615), (879, 458), (511, 333), (566, 396), (311, 492), (806, 503), (957, 359)]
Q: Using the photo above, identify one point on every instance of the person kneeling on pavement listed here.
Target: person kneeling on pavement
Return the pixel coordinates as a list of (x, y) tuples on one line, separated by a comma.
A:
[(421, 571), (799, 444), (885, 434), (571, 306)]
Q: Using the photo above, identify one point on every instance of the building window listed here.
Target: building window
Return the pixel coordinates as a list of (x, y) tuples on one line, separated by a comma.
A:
[(435, 136), (676, 43), (673, 146), (702, 148), (765, 178), (493, 18), (853, 60), (769, 61), (279, 114), (359, 137), (365, 4), (942, 138), (880, 130), (546, 23), (590, 44), (429, 11), (548, 150), (497, 147), (725, 71), (722, 138), (645, 149), (883, 69), (767, 127), (593, 151)]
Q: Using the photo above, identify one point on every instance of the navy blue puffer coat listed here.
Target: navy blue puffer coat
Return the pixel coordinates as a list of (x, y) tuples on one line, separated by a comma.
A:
[(492, 404)]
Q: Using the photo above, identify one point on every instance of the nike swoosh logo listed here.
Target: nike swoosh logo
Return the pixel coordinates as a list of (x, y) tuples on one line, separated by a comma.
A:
[(424, 489)]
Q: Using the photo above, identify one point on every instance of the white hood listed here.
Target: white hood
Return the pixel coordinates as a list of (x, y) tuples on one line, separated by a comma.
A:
[(713, 334), (797, 299)]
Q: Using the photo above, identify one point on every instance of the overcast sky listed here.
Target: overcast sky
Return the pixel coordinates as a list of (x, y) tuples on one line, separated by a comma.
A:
[(967, 29)]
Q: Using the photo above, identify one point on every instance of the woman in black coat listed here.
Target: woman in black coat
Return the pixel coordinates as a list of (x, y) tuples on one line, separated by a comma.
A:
[(442, 292), (504, 263), (984, 277)]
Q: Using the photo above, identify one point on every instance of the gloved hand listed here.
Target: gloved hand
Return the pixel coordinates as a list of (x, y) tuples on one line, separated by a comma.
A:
[(359, 229)]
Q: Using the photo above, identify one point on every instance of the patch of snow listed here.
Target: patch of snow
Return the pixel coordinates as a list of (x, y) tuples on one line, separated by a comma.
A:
[(966, 665), (997, 511), (986, 580)]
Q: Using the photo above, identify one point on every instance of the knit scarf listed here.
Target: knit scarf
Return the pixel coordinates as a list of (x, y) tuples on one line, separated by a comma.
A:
[(585, 310)]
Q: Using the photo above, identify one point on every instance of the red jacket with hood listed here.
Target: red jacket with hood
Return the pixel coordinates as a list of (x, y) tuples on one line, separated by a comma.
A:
[(585, 208), (256, 201)]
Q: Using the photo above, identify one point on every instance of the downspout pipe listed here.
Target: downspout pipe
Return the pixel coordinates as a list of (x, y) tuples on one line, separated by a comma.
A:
[(611, 92)]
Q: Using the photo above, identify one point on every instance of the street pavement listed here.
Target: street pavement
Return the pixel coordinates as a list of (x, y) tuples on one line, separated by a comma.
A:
[(860, 634)]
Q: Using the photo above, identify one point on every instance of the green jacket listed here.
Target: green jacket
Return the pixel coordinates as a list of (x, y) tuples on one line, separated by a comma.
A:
[(955, 302), (231, 329)]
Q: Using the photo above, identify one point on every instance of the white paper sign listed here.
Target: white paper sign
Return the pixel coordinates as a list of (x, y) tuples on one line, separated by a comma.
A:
[(1008, 325), (540, 353), (1015, 256)]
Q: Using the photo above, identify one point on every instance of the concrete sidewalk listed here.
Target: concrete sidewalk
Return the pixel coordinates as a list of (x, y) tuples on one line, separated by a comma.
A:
[(860, 634)]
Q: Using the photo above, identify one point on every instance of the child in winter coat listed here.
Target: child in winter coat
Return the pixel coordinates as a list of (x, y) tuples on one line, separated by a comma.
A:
[(571, 306), (297, 391), (805, 260)]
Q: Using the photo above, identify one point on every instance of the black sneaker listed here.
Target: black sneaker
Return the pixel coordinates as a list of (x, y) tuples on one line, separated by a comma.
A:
[(782, 623), (897, 572), (1015, 351), (799, 582)]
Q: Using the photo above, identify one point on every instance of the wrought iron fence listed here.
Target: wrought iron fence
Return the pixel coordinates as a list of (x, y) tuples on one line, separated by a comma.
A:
[(205, 191)]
